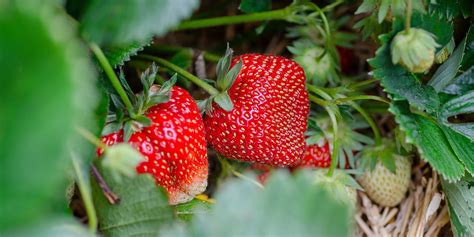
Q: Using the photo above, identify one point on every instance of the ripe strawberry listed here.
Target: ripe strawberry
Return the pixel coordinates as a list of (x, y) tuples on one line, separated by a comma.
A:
[(173, 144), (384, 186), (317, 156), (270, 110)]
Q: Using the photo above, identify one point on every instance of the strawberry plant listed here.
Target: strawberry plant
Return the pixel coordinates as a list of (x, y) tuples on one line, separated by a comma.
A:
[(237, 118)]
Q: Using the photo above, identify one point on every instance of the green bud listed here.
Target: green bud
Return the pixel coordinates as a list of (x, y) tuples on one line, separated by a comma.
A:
[(415, 50)]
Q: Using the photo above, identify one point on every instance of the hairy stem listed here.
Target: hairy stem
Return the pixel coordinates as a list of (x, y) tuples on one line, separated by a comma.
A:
[(109, 71), (164, 63)]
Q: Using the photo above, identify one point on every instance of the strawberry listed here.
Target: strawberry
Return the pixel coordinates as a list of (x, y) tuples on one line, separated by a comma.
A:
[(173, 144), (317, 156), (267, 121), (387, 182)]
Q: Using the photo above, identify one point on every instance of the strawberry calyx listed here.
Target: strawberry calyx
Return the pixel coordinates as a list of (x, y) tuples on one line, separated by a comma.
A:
[(384, 152), (135, 120), (225, 79)]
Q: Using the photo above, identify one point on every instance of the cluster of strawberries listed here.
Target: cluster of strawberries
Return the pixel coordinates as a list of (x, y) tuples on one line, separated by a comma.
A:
[(266, 125)]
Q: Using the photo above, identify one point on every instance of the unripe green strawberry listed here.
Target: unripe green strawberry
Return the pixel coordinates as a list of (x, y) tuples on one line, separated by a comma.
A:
[(387, 188), (415, 50)]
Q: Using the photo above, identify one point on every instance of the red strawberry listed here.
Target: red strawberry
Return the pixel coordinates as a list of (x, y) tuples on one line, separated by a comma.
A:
[(174, 146), (269, 114), (318, 156)]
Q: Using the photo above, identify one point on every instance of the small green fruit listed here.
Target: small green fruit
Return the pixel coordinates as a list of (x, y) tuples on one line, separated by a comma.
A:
[(384, 187), (415, 50)]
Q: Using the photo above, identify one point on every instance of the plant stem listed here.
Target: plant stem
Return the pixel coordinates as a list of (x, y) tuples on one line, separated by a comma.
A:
[(318, 91), (112, 77), (111, 196), (370, 121), (162, 62), (361, 83), (279, 14), (166, 49), (408, 16), (318, 101), (361, 97), (84, 189)]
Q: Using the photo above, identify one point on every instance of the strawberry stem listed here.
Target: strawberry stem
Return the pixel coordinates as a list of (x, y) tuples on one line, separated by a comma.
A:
[(356, 85), (111, 196), (370, 121), (112, 77), (408, 17), (164, 63), (84, 189), (280, 14), (167, 49), (360, 97)]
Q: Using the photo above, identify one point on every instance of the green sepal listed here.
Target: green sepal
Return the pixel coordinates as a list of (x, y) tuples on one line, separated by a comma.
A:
[(117, 102), (224, 101), (385, 153), (223, 64), (158, 99), (205, 106), (224, 83), (111, 128), (148, 77), (166, 87), (127, 88), (128, 130), (143, 120)]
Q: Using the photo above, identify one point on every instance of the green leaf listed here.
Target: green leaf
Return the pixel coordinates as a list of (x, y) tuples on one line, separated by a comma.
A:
[(288, 206), (462, 146), (461, 202), (462, 83), (224, 101), (463, 104), (118, 55), (448, 70), (430, 140), (251, 6), (142, 211), (47, 88), (444, 9), (123, 22)]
